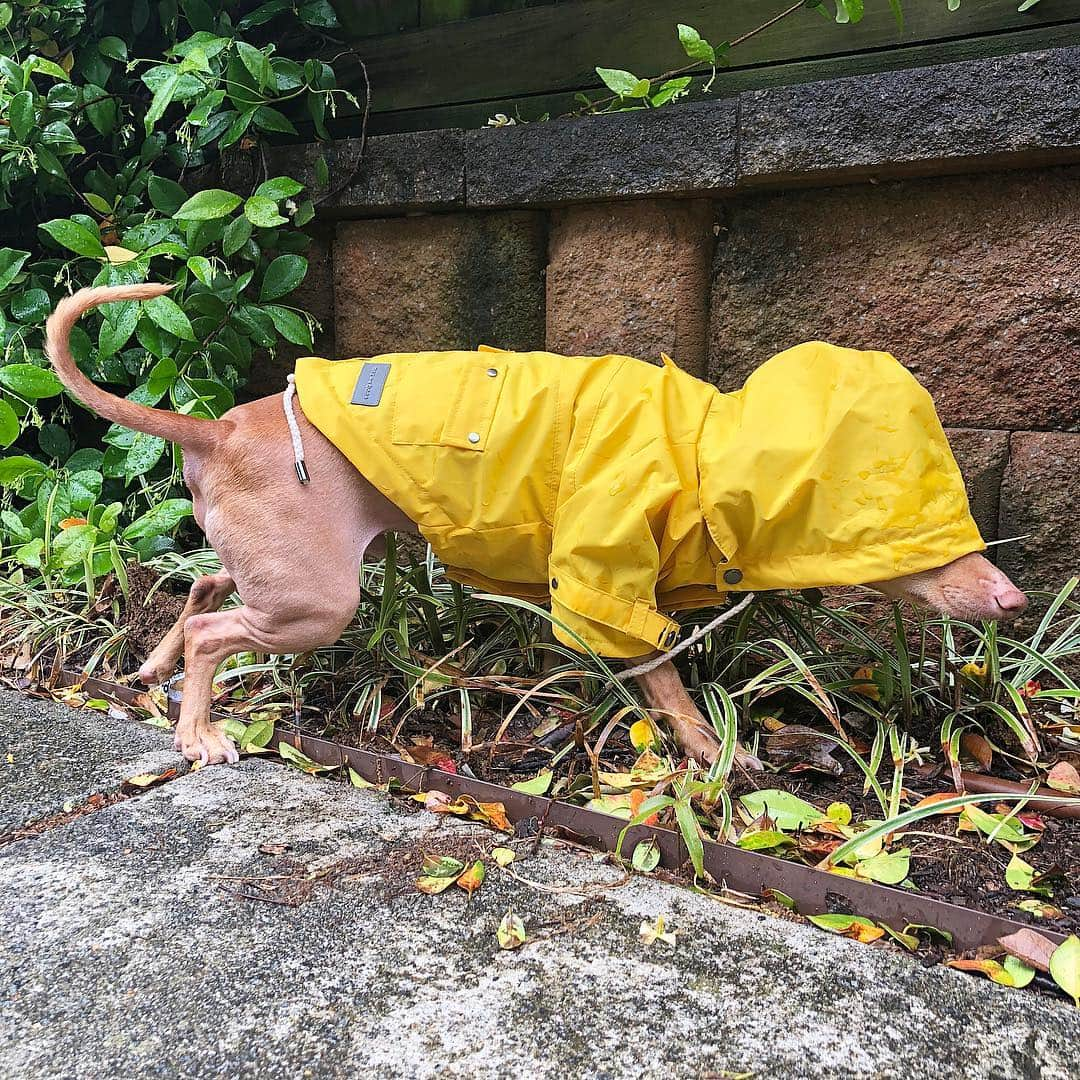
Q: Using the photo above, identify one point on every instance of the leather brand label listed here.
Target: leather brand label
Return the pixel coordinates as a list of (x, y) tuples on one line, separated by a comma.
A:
[(369, 387)]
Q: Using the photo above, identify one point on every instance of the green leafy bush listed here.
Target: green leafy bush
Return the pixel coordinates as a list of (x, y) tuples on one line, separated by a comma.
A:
[(114, 118)]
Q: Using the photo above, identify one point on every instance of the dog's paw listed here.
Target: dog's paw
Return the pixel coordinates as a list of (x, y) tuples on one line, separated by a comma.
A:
[(699, 742), (208, 745), (155, 674), (744, 759)]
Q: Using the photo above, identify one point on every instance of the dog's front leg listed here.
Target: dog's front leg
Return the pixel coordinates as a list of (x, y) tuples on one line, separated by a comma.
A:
[(207, 593), (665, 694)]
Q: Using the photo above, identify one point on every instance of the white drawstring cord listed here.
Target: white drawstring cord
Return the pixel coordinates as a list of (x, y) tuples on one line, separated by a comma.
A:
[(294, 430), (697, 635)]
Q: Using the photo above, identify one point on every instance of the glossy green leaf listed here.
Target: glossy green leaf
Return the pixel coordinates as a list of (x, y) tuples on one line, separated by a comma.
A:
[(162, 518), (763, 840), (788, 811), (15, 469), (22, 114), (268, 119), (209, 205), (144, 454), (886, 868), (237, 234), (167, 314), (623, 83), (73, 545), (290, 325), (1065, 967), (114, 48), (29, 381), (74, 236), (694, 45), (282, 276), (278, 188), (11, 262), (263, 212), (166, 196), (31, 305), (646, 856), (9, 425)]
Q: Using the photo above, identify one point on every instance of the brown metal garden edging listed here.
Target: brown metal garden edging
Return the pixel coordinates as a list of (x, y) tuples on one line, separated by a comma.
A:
[(753, 873)]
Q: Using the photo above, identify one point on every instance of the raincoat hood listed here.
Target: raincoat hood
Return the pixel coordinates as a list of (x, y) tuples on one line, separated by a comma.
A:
[(830, 467), (619, 490)]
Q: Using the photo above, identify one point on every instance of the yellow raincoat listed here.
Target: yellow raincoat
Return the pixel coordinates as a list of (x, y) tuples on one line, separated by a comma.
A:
[(620, 490)]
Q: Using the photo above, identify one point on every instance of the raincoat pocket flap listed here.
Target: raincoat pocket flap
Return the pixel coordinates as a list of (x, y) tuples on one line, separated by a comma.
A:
[(469, 419), (447, 402), (636, 618)]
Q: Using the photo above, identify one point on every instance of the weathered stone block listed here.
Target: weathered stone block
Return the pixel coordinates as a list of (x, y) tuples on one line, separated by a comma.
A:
[(315, 296), (631, 278), (979, 109), (410, 171), (970, 281), (688, 149), (1039, 498), (434, 282), (981, 456)]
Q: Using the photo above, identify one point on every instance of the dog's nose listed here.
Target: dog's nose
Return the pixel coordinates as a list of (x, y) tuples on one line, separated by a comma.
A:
[(1010, 599)]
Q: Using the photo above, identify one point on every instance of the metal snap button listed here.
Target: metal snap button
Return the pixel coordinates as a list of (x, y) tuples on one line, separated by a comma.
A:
[(492, 372), (474, 436), (732, 577)]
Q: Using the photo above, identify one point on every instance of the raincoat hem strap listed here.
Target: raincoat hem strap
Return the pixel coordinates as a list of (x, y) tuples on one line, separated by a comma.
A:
[(638, 618)]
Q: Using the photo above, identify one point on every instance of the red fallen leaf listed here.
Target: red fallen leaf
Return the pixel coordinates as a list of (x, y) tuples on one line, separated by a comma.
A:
[(978, 749), (817, 849), (1030, 688), (1030, 946), (1064, 777), (1028, 818), (437, 759)]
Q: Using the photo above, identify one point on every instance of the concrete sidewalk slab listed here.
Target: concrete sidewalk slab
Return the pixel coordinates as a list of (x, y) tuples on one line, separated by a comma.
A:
[(121, 955), (53, 758)]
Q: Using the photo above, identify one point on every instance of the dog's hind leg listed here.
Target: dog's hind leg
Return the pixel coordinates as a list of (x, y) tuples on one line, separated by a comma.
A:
[(207, 593), (211, 638)]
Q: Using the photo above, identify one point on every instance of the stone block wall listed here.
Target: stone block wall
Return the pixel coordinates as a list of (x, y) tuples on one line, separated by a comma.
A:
[(970, 275)]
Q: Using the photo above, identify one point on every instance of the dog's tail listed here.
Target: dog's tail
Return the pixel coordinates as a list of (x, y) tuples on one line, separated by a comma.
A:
[(191, 432)]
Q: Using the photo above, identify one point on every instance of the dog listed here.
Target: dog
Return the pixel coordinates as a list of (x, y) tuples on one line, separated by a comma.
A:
[(290, 514)]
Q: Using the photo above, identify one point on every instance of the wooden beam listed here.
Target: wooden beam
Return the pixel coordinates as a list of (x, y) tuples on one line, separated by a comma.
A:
[(557, 46), (437, 12), (366, 18), (732, 81)]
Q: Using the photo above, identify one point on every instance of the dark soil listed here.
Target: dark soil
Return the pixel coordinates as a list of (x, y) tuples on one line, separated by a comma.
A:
[(148, 611)]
